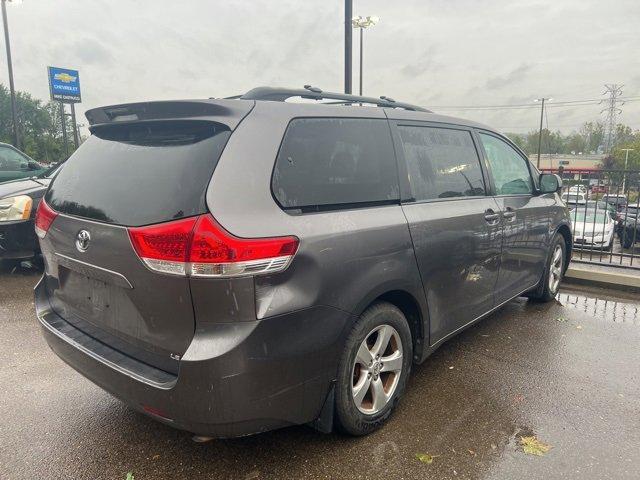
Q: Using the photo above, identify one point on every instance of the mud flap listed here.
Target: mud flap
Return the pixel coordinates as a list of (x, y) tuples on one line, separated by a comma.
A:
[(324, 422)]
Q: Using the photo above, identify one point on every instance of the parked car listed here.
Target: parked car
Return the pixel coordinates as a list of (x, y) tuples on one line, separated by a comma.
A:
[(628, 226), (574, 198), (617, 200), (19, 200), (16, 164), (592, 205), (232, 266), (578, 189), (593, 229)]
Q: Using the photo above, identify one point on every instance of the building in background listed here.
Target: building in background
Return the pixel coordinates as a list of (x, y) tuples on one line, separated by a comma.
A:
[(576, 163)]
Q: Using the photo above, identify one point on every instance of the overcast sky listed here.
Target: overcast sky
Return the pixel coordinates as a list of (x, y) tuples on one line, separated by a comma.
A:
[(429, 52)]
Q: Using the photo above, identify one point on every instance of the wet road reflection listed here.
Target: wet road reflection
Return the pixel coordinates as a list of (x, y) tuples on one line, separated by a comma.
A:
[(566, 373), (609, 310)]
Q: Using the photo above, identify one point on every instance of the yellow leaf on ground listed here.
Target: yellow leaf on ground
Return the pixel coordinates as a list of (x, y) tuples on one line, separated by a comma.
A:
[(533, 446), (425, 458)]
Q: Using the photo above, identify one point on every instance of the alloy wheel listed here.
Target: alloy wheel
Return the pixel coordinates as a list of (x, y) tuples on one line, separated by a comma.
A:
[(377, 369), (555, 269)]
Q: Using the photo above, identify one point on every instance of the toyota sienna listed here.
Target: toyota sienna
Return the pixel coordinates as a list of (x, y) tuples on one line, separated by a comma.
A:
[(231, 266)]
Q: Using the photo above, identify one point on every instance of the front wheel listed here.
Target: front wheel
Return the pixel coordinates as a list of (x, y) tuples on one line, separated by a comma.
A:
[(549, 284), (373, 369)]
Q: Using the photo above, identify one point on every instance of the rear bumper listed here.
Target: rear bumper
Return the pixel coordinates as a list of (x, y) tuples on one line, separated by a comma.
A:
[(235, 379), (589, 242), (18, 240)]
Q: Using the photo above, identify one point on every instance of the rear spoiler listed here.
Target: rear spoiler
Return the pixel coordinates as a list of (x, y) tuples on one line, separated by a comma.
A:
[(228, 112)]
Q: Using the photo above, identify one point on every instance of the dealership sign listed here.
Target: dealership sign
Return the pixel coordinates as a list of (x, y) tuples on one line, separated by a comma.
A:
[(64, 85)]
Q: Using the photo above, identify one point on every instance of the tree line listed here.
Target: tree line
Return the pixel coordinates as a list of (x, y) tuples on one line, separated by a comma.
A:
[(586, 140), (40, 126)]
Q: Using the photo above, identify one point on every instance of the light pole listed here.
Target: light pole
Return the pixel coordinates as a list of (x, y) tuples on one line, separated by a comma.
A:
[(362, 23), (626, 161), (14, 113), (540, 132), (348, 45)]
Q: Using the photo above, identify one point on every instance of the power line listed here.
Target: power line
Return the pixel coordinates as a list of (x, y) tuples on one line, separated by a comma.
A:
[(517, 106)]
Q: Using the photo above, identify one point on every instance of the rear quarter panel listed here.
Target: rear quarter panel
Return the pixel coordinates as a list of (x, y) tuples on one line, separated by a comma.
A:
[(346, 258)]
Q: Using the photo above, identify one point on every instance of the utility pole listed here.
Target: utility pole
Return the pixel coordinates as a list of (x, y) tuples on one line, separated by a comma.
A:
[(626, 162), (76, 137), (348, 44), (362, 23), (542, 100), (611, 113), (64, 130), (12, 90)]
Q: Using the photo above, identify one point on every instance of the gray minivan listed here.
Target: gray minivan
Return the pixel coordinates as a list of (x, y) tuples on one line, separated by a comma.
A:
[(230, 266)]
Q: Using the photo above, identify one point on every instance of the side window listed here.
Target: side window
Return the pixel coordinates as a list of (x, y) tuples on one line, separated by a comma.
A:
[(11, 160), (508, 169), (442, 162), (335, 161)]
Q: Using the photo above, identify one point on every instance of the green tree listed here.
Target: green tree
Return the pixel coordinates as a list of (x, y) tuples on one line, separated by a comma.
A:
[(618, 156), (39, 124), (593, 135)]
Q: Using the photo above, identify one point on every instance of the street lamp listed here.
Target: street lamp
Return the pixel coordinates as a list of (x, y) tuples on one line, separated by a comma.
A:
[(626, 161), (14, 114), (540, 132), (362, 23)]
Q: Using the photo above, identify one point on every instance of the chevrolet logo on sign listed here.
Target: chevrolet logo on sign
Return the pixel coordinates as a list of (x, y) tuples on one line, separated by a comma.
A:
[(64, 84), (65, 77)]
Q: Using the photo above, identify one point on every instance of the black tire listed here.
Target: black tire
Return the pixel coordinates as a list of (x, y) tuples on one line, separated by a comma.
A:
[(348, 418), (626, 240), (543, 292)]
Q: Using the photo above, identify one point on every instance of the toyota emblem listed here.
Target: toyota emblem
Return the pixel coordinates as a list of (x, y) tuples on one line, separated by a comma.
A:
[(82, 240)]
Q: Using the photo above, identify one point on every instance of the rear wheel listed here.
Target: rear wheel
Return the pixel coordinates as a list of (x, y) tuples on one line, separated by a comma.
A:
[(554, 271), (626, 239), (373, 369)]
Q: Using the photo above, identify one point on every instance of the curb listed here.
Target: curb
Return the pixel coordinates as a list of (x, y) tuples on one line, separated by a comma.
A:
[(607, 277)]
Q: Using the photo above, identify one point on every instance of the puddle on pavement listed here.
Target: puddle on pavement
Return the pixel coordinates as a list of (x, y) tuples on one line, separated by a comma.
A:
[(606, 309)]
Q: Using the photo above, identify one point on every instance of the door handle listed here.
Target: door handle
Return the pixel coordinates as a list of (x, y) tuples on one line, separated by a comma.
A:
[(510, 214), (490, 216)]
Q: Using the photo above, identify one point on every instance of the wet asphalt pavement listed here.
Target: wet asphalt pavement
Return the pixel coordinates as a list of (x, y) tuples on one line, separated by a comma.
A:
[(567, 372)]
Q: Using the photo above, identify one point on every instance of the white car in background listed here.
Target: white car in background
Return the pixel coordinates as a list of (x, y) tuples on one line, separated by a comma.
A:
[(574, 198), (592, 229), (578, 189)]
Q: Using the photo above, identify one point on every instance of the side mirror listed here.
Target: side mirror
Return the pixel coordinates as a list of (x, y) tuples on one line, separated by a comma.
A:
[(550, 183), (34, 166)]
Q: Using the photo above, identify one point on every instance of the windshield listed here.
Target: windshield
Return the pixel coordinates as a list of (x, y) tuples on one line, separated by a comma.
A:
[(51, 171), (140, 174), (590, 217)]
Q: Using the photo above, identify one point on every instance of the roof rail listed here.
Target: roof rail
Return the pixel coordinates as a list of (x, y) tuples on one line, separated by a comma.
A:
[(314, 93)]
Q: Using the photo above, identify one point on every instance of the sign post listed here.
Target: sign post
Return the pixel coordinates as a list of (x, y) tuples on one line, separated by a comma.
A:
[(64, 87), (76, 139)]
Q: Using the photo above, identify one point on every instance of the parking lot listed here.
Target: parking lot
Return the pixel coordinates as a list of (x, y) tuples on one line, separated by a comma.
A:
[(566, 372)]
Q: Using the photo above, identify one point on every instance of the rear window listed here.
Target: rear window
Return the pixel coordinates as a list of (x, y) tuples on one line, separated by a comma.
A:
[(326, 163), (140, 174)]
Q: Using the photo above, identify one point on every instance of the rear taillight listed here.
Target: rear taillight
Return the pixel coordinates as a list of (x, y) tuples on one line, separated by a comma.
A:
[(200, 247), (44, 218)]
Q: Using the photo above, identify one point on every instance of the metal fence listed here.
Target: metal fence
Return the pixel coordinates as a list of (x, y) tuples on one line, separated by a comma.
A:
[(605, 206)]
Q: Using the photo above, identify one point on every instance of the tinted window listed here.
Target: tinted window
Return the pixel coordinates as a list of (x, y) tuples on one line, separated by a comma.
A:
[(140, 174), (508, 168), (335, 161), (442, 162)]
